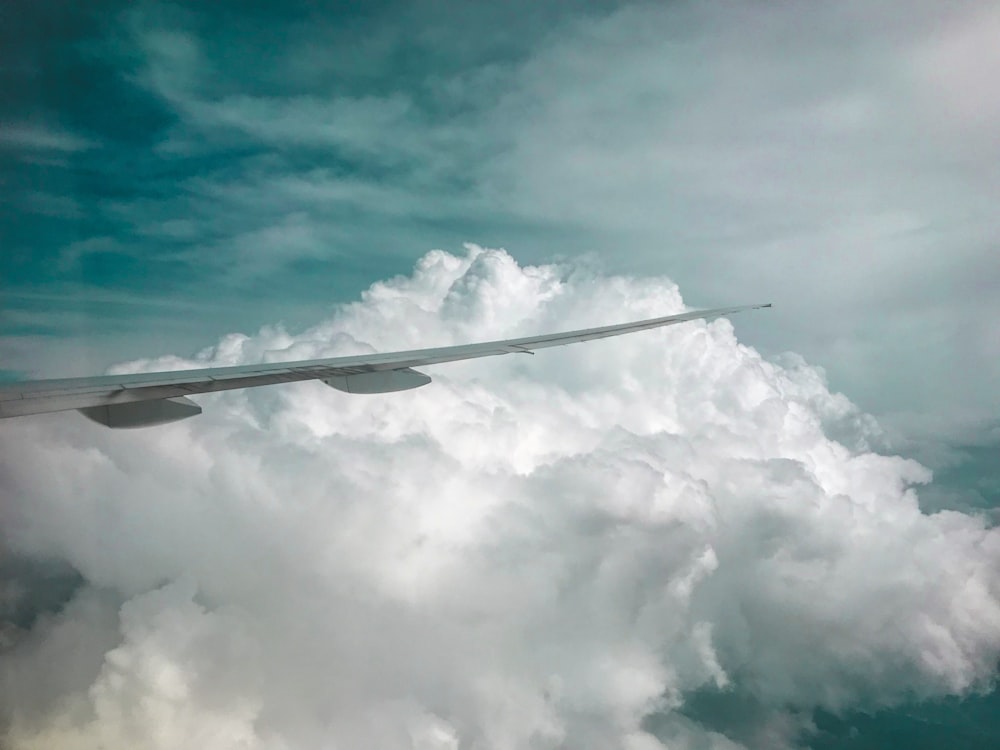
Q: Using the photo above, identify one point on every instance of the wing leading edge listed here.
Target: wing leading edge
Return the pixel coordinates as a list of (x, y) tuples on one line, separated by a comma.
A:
[(137, 400)]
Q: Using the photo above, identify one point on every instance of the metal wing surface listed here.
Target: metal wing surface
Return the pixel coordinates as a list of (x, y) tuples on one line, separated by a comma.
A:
[(107, 398)]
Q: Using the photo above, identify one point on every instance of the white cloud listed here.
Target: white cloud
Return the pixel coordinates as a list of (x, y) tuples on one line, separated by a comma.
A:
[(530, 552)]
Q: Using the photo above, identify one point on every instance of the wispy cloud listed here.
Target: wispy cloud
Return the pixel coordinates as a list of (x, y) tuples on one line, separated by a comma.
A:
[(34, 137)]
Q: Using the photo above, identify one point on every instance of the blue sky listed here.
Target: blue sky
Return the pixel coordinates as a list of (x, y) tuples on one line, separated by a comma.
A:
[(175, 172)]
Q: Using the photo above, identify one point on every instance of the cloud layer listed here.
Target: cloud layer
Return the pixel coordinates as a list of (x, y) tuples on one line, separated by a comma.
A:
[(541, 551)]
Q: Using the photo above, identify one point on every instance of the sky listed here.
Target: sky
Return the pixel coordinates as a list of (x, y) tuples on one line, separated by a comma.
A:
[(777, 531)]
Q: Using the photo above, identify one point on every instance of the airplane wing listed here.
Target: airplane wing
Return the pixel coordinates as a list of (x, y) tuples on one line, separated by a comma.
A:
[(139, 400)]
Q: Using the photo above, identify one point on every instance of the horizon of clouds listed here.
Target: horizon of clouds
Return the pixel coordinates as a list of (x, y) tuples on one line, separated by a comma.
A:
[(564, 549)]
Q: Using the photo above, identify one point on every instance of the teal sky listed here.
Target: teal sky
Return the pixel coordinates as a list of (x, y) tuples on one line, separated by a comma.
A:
[(175, 172), (172, 172)]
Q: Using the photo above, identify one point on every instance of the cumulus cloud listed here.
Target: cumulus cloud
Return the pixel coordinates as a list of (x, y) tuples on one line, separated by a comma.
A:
[(546, 551)]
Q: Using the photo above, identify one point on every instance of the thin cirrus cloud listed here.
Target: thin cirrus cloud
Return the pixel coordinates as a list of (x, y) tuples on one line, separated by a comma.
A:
[(530, 552), (31, 137)]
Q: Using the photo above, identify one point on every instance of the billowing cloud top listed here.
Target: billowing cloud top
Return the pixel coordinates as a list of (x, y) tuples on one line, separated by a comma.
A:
[(554, 551)]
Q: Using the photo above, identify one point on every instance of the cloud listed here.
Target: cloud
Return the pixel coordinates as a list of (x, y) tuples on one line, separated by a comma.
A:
[(556, 550), (739, 149), (955, 67), (32, 137), (834, 160)]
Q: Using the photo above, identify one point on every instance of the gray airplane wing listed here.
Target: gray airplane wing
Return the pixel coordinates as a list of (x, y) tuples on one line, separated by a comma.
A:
[(139, 400)]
